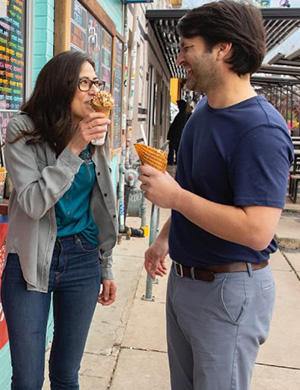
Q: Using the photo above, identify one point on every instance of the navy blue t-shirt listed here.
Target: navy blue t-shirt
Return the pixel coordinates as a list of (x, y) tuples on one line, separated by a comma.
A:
[(238, 156)]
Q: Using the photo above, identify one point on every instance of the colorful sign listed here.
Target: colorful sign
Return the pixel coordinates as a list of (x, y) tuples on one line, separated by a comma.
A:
[(118, 95), (89, 36), (12, 31)]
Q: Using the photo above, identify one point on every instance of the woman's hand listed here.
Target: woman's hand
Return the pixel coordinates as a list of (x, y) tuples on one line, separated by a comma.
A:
[(93, 126), (107, 295)]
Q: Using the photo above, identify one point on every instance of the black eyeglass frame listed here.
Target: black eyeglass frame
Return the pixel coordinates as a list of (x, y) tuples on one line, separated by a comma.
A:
[(98, 84)]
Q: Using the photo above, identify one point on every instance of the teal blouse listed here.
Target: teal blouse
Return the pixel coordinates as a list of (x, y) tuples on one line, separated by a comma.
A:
[(73, 213)]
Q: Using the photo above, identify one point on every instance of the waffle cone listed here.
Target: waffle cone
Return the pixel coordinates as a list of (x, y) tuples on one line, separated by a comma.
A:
[(2, 176), (102, 109), (156, 158)]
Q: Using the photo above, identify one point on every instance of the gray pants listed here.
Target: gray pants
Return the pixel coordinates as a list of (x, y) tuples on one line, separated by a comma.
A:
[(214, 329)]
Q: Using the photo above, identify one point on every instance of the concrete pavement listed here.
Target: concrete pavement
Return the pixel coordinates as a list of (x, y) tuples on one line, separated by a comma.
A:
[(126, 348)]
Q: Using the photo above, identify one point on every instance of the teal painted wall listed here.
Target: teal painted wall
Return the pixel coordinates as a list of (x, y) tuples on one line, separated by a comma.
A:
[(5, 368), (114, 10), (43, 34)]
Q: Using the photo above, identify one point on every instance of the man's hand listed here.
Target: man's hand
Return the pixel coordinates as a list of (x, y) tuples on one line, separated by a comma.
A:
[(108, 294), (160, 188), (155, 258)]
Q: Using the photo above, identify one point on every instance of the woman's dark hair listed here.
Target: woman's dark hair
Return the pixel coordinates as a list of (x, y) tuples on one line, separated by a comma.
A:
[(49, 106), (238, 23)]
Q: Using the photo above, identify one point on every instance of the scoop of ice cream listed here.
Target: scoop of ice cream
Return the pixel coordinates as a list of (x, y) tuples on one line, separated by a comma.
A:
[(103, 100), (156, 158)]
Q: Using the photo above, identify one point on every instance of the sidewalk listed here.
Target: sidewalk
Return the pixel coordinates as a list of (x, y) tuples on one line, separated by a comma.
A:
[(126, 348)]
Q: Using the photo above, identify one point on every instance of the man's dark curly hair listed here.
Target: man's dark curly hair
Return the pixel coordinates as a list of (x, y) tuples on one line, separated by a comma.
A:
[(239, 23)]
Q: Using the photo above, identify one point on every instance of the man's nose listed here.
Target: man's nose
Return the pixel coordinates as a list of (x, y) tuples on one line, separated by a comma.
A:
[(180, 59)]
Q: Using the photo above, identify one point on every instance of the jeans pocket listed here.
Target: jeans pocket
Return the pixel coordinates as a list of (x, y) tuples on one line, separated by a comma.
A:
[(86, 245), (234, 299)]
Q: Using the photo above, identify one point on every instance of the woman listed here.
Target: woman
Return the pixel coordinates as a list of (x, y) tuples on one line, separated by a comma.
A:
[(62, 223)]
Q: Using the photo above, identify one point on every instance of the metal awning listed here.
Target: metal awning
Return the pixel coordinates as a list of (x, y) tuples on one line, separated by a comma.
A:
[(291, 60), (279, 23)]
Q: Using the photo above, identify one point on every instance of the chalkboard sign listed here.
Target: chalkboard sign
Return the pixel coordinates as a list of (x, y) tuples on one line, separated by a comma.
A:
[(12, 33), (89, 36), (106, 59), (116, 144)]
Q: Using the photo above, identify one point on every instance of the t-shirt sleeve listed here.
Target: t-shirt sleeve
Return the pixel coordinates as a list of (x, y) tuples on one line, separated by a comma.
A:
[(259, 167)]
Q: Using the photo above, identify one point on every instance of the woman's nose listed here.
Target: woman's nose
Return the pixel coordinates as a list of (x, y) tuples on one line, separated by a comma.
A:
[(94, 89)]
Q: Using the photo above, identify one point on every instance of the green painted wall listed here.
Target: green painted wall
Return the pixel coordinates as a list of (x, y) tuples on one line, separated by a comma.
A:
[(114, 10), (43, 34)]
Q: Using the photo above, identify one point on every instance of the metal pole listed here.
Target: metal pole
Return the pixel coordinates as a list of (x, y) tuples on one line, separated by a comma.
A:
[(153, 234), (121, 191), (133, 60)]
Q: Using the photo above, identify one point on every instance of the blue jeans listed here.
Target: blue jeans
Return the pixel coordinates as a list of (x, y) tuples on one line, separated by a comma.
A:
[(75, 283)]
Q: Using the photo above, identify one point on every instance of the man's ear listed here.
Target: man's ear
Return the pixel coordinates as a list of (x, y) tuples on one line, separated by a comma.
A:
[(224, 49)]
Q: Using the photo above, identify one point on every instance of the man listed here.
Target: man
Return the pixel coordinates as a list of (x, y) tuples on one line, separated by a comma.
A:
[(226, 202), (175, 131)]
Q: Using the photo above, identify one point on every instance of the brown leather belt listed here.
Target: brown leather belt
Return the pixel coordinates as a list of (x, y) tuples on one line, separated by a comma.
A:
[(207, 273)]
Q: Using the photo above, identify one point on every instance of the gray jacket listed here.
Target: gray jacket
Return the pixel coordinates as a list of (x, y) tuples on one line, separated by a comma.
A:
[(39, 181)]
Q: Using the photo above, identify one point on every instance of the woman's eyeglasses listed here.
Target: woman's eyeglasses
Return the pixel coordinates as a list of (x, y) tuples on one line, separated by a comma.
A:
[(85, 84)]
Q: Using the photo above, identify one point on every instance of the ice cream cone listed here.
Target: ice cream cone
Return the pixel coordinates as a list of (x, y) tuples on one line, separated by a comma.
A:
[(156, 158), (104, 110), (103, 102), (2, 182), (2, 176)]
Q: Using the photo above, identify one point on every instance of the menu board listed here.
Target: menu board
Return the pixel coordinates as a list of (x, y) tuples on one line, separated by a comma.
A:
[(116, 144), (12, 33), (89, 36), (106, 60)]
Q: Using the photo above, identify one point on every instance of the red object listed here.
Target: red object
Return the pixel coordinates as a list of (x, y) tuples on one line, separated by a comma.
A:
[(3, 328)]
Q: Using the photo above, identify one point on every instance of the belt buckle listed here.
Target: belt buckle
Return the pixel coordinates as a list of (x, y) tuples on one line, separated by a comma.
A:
[(177, 265)]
